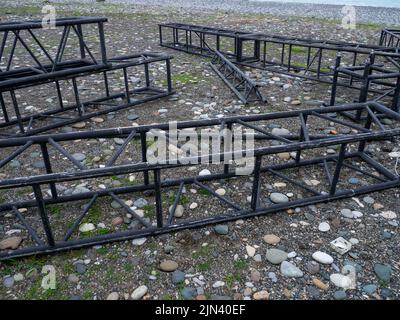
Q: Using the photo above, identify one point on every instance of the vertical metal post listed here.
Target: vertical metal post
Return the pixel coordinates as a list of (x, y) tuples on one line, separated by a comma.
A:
[(143, 145), (238, 49), (365, 87), (338, 168), (3, 45), (77, 100), (335, 80), (102, 43), (290, 57), (319, 63), (169, 79), (81, 41), (105, 76), (157, 188), (302, 135), (147, 75), (127, 94), (264, 53), (396, 97), (17, 113), (47, 163), (361, 146), (283, 54), (257, 49), (59, 95), (160, 33), (256, 184), (3, 107), (43, 214), (354, 64), (228, 145)]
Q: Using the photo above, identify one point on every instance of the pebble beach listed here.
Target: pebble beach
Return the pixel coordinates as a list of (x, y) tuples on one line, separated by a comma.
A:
[(285, 256)]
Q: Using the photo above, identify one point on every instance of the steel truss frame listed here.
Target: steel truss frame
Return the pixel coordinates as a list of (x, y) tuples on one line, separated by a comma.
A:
[(80, 111), (49, 64), (351, 146), (240, 84), (369, 76), (390, 38), (203, 41)]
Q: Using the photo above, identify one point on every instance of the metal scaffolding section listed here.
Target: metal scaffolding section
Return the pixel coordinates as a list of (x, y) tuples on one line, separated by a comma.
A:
[(305, 58), (58, 115), (244, 88), (28, 64), (377, 83), (390, 38), (81, 48), (28, 199)]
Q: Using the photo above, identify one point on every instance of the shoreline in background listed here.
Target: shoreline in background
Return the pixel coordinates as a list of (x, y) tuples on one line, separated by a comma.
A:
[(356, 3), (389, 17)]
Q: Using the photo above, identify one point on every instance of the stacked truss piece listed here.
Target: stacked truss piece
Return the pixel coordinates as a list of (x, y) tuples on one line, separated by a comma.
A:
[(244, 88), (60, 69), (29, 198)]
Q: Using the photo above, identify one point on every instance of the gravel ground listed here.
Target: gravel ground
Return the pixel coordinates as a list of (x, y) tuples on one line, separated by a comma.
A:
[(230, 261)]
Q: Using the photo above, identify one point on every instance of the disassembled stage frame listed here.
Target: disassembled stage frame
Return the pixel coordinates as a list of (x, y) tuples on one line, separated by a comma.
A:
[(60, 70), (305, 58), (390, 38), (352, 156), (328, 154)]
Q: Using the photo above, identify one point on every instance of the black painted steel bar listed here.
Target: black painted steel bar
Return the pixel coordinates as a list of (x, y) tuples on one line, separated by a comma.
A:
[(176, 202), (227, 201), (43, 214), (336, 186), (132, 212), (66, 154), (28, 227), (76, 223)]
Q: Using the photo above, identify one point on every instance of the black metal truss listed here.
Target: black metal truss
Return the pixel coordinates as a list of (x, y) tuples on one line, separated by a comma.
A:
[(375, 83), (22, 41), (60, 115), (390, 38), (306, 58), (244, 88), (351, 146)]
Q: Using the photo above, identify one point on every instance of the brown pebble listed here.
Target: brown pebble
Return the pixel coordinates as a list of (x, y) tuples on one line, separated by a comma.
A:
[(319, 284), (79, 125), (168, 265), (378, 206), (201, 297), (261, 295), (117, 221), (10, 243), (287, 293), (97, 120), (284, 156)]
